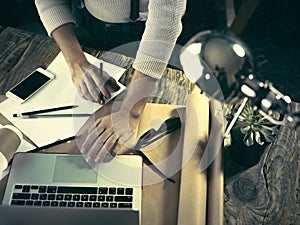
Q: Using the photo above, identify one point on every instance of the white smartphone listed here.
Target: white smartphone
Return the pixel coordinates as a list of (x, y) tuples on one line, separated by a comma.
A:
[(30, 85)]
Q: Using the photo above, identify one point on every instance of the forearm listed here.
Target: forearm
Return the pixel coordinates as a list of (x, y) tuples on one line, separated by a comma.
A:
[(138, 92), (66, 40), (163, 27)]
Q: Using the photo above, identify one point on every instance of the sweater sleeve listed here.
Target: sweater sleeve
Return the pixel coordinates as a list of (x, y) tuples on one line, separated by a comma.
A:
[(54, 13), (162, 29)]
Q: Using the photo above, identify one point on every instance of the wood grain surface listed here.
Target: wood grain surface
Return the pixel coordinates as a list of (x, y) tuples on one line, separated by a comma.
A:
[(269, 192)]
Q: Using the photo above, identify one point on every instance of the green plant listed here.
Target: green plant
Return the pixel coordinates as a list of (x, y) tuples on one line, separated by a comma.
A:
[(252, 127)]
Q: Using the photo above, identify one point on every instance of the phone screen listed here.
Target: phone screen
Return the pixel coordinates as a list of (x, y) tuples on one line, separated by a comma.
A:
[(29, 85)]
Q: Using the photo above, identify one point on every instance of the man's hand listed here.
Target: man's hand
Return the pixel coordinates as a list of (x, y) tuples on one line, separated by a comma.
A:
[(112, 134), (116, 133), (91, 82)]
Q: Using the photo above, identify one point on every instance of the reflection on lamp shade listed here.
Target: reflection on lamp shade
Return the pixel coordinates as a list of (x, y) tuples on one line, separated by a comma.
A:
[(225, 54)]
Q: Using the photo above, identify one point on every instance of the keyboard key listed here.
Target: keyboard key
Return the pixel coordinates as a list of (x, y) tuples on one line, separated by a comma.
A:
[(62, 204), (112, 191), (35, 196), (68, 197), (88, 204), (103, 190), (37, 203), (71, 204), (43, 196), (77, 190), (96, 205), (129, 191), (46, 203), (93, 198), (113, 205), (76, 197), (42, 189), (125, 205), (29, 203), (51, 197), (17, 202), (26, 188), (109, 198), (54, 203), (18, 186), (34, 187), (101, 198), (79, 204), (21, 196), (120, 191), (104, 205), (59, 197), (84, 198), (51, 189), (123, 198)]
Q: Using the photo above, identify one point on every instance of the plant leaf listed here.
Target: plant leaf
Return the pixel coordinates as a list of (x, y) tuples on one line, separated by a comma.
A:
[(258, 138), (245, 129), (248, 139)]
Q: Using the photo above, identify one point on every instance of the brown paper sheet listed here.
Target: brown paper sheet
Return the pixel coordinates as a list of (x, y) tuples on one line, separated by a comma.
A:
[(215, 203), (160, 198), (193, 188)]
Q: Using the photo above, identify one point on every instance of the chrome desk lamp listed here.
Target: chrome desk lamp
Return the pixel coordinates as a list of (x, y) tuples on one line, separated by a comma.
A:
[(228, 75)]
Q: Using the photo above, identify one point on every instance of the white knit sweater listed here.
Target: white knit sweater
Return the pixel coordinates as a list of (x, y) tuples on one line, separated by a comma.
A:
[(163, 25)]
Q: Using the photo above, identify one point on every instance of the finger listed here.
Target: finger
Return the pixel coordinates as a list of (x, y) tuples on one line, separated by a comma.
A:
[(94, 151), (113, 84), (105, 91), (100, 77), (102, 153), (90, 139), (92, 88), (110, 84), (101, 98), (92, 134), (80, 91), (99, 143), (109, 146), (123, 139), (85, 92)]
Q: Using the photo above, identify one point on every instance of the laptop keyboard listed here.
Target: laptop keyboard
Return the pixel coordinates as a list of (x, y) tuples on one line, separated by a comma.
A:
[(62, 196)]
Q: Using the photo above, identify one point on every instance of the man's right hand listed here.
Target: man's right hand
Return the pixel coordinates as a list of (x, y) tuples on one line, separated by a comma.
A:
[(92, 83)]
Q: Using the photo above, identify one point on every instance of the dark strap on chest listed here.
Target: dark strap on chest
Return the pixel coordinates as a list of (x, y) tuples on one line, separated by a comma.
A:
[(134, 10)]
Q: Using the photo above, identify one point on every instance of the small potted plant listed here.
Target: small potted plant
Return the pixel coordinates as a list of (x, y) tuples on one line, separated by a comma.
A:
[(250, 135)]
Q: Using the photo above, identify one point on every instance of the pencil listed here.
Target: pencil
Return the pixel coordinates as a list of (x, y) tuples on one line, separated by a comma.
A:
[(102, 100), (42, 148), (44, 110), (54, 115)]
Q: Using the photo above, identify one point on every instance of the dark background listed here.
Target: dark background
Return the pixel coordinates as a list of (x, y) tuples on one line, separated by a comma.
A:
[(272, 33)]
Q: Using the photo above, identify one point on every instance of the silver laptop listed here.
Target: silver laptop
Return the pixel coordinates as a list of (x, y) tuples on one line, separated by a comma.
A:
[(67, 181)]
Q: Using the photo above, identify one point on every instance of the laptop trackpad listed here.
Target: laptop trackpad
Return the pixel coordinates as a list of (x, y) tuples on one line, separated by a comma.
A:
[(73, 169)]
